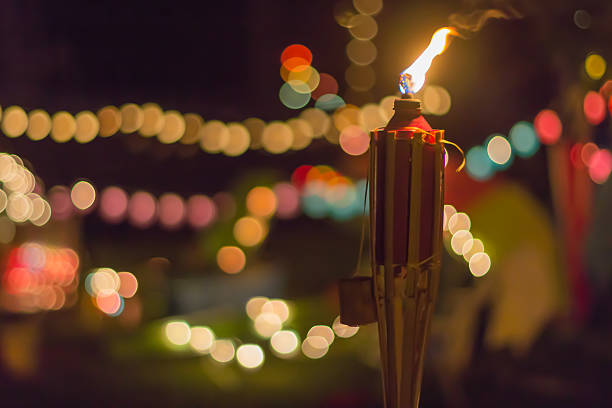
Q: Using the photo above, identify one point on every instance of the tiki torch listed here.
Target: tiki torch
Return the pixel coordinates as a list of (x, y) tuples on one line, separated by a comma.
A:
[(406, 208)]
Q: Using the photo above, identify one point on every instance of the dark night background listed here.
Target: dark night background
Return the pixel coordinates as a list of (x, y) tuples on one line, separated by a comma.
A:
[(221, 59)]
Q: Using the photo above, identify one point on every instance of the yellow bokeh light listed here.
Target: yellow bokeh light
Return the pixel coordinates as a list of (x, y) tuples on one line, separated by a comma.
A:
[(318, 120), (109, 119), (202, 339), (499, 150), (214, 136), (87, 127), (459, 221), (472, 247), (285, 343), (322, 331), (14, 121), (249, 231), (277, 137), (231, 259), (595, 66), (342, 330), (83, 195), (261, 201), (361, 52), (63, 127), (480, 264), (223, 351), (386, 106), (3, 200), (369, 7), (39, 124), (254, 305), (436, 100), (363, 27), (371, 117), (302, 133), (173, 129), (250, 356), (105, 280), (346, 116), (132, 118), (255, 127), (266, 324), (177, 332), (360, 77), (239, 140), (152, 120), (193, 123), (315, 347), (45, 215), (459, 239)]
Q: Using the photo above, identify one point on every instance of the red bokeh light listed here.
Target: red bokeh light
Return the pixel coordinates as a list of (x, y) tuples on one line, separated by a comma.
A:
[(594, 108), (327, 85), (113, 204), (548, 126), (201, 211), (142, 209), (296, 55)]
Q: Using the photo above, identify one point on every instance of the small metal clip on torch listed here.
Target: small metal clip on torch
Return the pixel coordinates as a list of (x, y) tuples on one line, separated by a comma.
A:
[(406, 209)]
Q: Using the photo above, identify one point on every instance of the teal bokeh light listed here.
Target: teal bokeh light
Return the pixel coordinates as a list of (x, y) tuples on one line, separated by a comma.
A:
[(478, 164), (524, 140)]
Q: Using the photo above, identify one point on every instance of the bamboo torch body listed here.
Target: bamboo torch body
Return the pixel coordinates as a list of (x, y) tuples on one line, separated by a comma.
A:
[(406, 207)]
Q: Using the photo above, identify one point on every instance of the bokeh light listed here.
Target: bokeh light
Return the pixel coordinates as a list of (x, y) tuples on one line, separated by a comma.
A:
[(173, 129), (113, 204), (292, 98), (128, 284), (231, 259), (459, 239), (132, 118), (371, 117), (302, 133), (471, 247), (254, 305), (201, 211), (39, 124), (109, 118), (582, 19), (523, 139), (171, 210), (87, 127), (193, 123), (480, 264), (287, 199), (600, 165), (354, 140), (327, 85), (363, 27), (108, 301), (214, 136), (278, 307), (152, 120), (285, 343), (83, 195), (594, 108), (315, 347), (178, 332), (595, 66), (239, 140), (295, 55), (478, 164), (142, 209), (329, 102), (318, 120), (63, 127), (249, 231), (261, 201), (14, 121), (548, 126), (250, 356), (459, 221), (449, 211), (266, 324), (436, 100), (223, 351), (202, 339), (368, 7), (499, 150), (322, 331), (342, 330), (361, 52), (360, 78)]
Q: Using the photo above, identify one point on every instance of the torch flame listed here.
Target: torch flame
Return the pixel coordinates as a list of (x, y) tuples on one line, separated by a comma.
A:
[(413, 77)]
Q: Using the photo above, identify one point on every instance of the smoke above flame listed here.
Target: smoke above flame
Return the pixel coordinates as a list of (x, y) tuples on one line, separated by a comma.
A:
[(412, 78)]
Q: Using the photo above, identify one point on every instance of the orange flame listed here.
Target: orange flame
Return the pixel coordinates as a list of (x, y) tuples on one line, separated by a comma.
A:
[(413, 77)]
